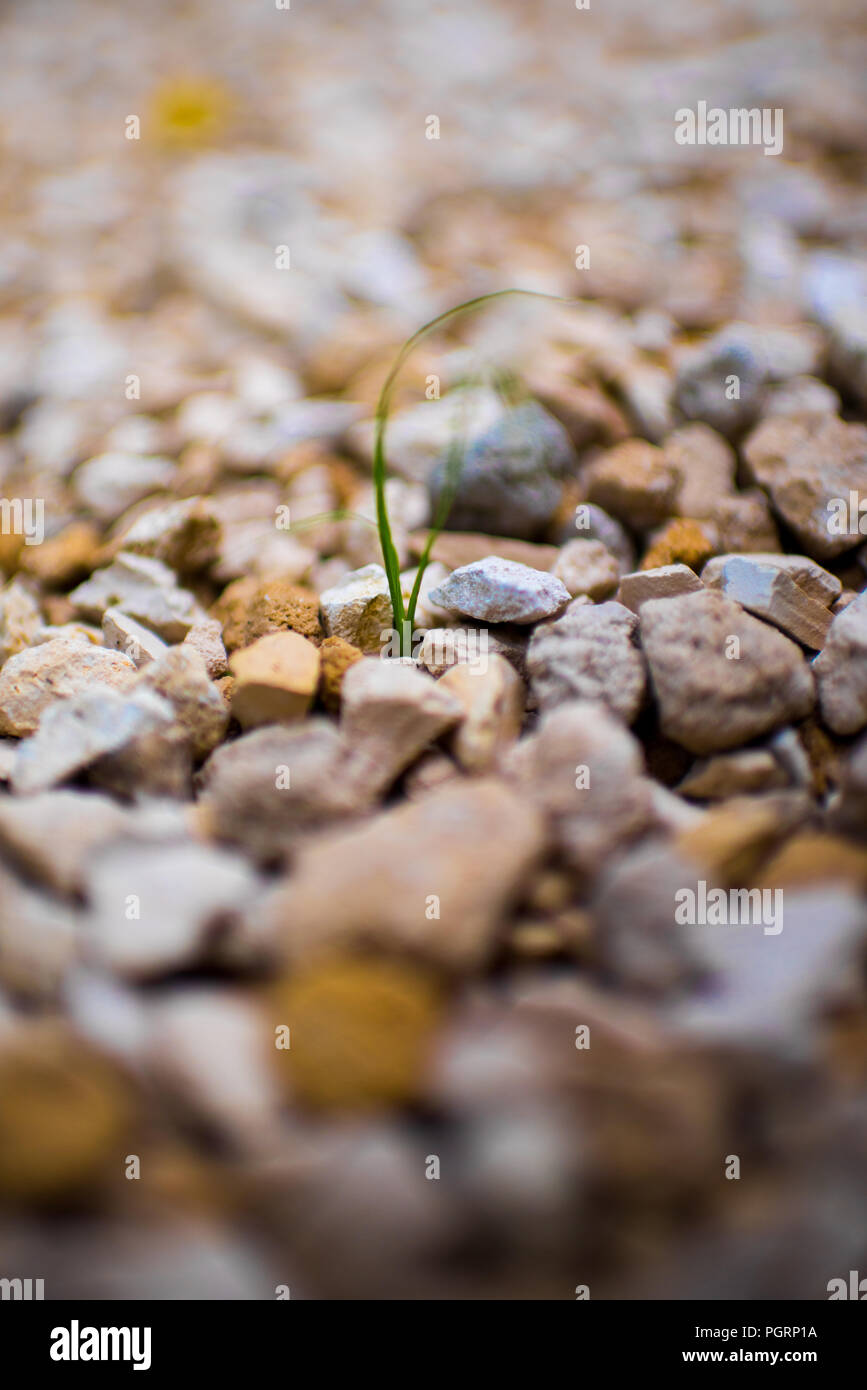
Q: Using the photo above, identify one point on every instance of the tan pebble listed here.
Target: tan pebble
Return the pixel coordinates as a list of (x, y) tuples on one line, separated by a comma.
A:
[(63, 1113), (360, 1031), (275, 679), (336, 657), (492, 698)]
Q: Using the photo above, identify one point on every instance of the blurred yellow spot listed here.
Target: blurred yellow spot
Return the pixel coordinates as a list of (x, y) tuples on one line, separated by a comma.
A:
[(189, 111)]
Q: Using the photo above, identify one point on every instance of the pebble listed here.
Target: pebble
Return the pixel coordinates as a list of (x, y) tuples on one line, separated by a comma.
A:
[(709, 702), (144, 588), (74, 733), (700, 387), (510, 479), (110, 483), (682, 541), (180, 675), (817, 583), (39, 677), (335, 656), (586, 567), (51, 835), (64, 558), (205, 637), (584, 772), (492, 701), (39, 941), (276, 605), (771, 593), (157, 908), (732, 839), (20, 619), (361, 1029), (593, 524), (207, 1048), (275, 679), (64, 1114), (841, 670), (634, 482), (358, 608), (667, 581), (732, 774), (185, 535), (118, 583), (589, 653), (432, 877), (501, 591), (745, 523), (267, 788), (804, 462), (706, 465), (389, 712), (121, 633)]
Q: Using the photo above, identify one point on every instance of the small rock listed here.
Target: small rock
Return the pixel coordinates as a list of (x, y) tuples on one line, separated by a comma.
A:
[(443, 647), (50, 836), (65, 558), (501, 591), (432, 877), (816, 582), (589, 653), (492, 701), (682, 541), (731, 840), (336, 656), (706, 465), (37, 678), (841, 670), (358, 608), (361, 1031), (510, 478), (715, 693), (110, 483), (275, 679), (703, 376), (205, 637), (207, 1048), (802, 395), (806, 463), (184, 535), (184, 894), (744, 523), (635, 482), (665, 582), (594, 524), (266, 789), (583, 770), (586, 567), (20, 619), (65, 1112), (38, 941), (771, 593), (276, 605), (74, 733), (732, 774), (849, 349), (126, 582), (122, 633), (389, 713), (181, 677)]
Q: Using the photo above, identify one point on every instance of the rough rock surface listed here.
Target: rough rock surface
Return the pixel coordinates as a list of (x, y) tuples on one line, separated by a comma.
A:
[(710, 700), (501, 591), (589, 653)]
